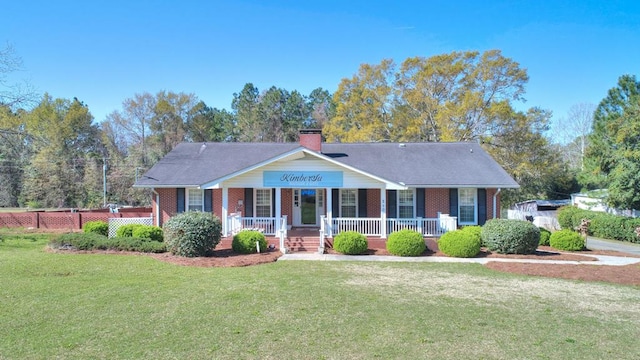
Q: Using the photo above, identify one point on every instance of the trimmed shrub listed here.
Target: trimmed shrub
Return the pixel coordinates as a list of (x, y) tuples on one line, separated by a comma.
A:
[(406, 243), (460, 243), (510, 236), (630, 226), (566, 240), (78, 241), (350, 243), (245, 241), (127, 230), (150, 232), (192, 234), (544, 237), (97, 227), (474, 231), (93, 241)]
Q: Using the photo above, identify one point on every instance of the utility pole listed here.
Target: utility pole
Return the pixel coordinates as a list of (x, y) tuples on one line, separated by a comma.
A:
[(104, 182)]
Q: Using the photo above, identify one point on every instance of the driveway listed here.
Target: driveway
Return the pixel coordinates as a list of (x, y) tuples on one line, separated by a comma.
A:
[(602, 244)]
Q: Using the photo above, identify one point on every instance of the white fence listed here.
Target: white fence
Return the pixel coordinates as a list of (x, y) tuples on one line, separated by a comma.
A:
[(544, 219), (115, 223)]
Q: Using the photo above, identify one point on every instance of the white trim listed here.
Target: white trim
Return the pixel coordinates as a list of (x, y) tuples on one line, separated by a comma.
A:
[(475, 207), (340, 201), (255, 201), (413, 201), (186, 200), (216, 183)]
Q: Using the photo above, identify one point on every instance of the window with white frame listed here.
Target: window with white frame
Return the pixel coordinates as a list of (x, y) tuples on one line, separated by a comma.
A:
[(405, 204), (467, 205), (195, 200), (263, 203), (348, 202)]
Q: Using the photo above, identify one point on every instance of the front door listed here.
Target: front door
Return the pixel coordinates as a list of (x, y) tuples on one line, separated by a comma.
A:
[(307, 206)]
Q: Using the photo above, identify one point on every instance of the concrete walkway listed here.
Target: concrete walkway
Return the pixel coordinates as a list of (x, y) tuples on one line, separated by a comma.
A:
[(601, 259)]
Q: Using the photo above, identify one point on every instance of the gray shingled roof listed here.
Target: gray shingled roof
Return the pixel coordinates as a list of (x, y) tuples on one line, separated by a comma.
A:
[(193, 164), (412, 164), (425, 164)]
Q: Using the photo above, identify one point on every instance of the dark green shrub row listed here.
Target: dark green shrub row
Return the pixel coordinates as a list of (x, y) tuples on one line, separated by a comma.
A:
[(350, 243), (566, 240), (244, 242), (98, 227), (406, 243), (93, 241), (510, 236), (192, 234), (460, 243), (544, 237), (602, 225)]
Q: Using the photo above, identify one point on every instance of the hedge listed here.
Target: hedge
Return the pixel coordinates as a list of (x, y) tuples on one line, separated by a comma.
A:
[(603, 225), (510, 236), (460, 243), (350, 243), (406, 243), (98, 227)]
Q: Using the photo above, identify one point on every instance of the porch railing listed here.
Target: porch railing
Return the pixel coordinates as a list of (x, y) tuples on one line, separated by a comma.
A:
[(265, 224), (365, 226), (425, 226)]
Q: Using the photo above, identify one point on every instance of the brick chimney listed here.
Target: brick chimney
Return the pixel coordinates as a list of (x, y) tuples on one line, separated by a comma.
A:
[(311, 139)]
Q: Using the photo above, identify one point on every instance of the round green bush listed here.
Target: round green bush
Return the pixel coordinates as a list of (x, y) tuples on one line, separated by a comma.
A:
[(245, 241), (127, 230), (566, 240), (406, 243), (510, 236), (474, 231), (97, 227), (150, 232), (460, 243), (544, 237), (192, 234), (350, 243)]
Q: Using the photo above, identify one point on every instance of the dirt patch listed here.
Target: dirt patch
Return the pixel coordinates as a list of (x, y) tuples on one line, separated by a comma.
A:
[(220, 258)]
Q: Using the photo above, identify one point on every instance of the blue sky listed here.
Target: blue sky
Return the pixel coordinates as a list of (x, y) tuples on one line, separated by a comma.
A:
[(103, 52)]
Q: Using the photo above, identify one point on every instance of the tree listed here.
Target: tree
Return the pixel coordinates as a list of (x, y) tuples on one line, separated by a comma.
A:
[(461, 96), (13, 94), (64, 137), (209, 124), (14, 156), (614, 151), (573, 131)]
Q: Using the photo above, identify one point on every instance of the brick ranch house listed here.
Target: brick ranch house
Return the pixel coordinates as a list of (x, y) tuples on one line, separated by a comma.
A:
[(372, 188)]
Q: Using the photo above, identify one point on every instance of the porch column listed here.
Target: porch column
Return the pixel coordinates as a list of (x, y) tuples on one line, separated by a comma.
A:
[(225, 211), (329, 212), (383, 213), (278, 213)]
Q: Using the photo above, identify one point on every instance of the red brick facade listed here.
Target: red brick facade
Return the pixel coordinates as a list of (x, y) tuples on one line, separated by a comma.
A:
[(436, 201)]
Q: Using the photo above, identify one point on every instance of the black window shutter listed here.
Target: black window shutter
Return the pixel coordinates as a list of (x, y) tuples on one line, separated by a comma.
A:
[(453, 202), (273, 202), (392, 204), (180, 200), (208, 200), (335, 202), (420, 202), (362, 202), (248, 202), (482, 206)]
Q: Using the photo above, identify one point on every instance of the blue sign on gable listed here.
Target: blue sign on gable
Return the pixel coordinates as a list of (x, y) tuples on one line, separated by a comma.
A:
[(302, 179)]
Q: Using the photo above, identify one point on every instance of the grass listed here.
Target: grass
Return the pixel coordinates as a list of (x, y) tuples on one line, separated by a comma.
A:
[(72, 306)]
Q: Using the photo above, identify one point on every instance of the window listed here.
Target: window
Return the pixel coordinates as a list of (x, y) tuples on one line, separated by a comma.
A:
[(405, 204), (195, 200), (263, 203), (467, 206), (348, 202)]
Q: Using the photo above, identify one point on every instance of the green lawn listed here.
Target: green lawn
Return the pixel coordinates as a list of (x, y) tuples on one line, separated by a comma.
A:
[(69, 306)]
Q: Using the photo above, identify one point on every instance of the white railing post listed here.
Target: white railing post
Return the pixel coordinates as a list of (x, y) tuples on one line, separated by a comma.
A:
[(419, 226), (323, 228)]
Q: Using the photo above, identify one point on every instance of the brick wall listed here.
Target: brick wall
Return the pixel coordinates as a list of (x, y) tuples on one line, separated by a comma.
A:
[(436, 200), (373, 203), (287, 204), (168, 204)]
